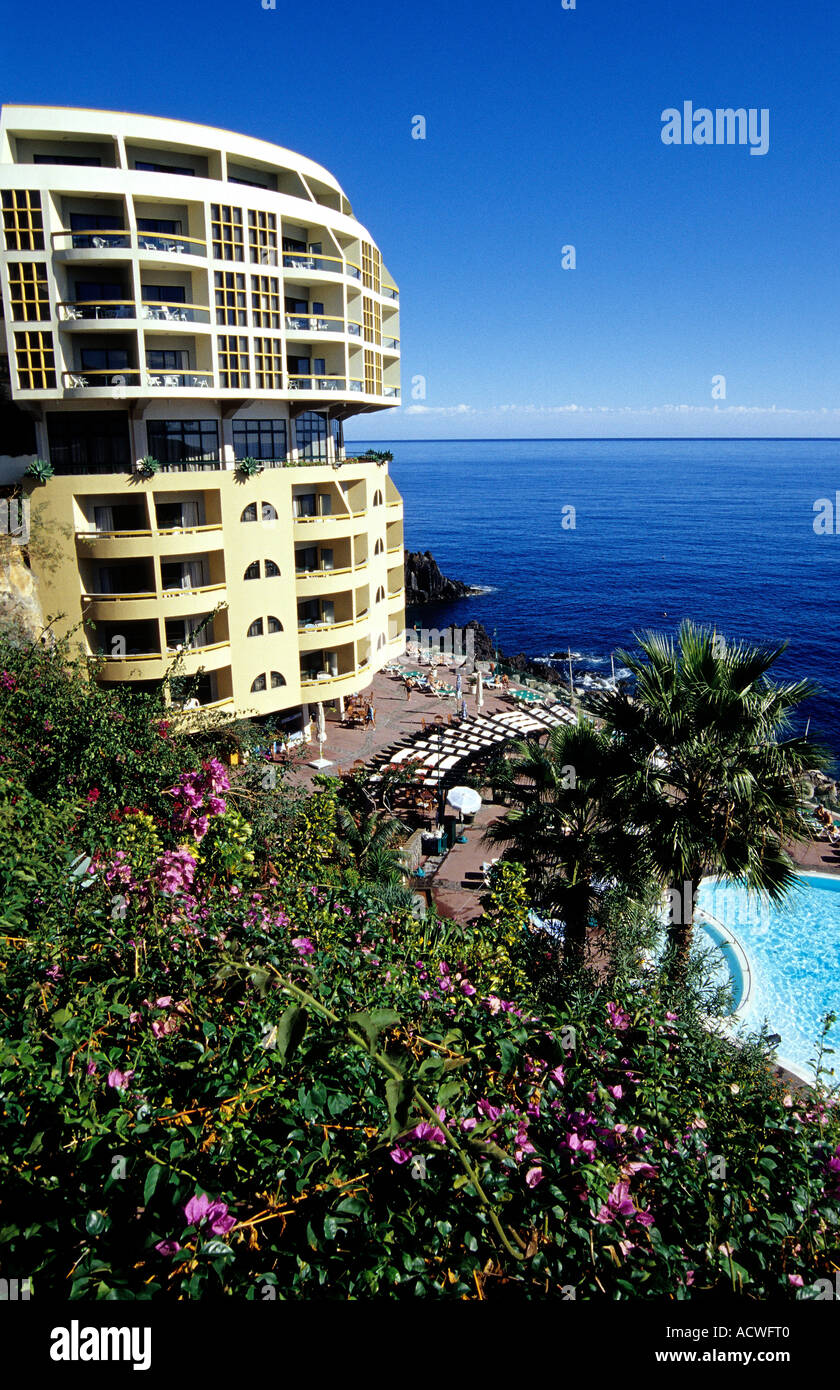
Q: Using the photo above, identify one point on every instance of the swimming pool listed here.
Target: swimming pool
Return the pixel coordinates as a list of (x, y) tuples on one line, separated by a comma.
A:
[(792, 959)]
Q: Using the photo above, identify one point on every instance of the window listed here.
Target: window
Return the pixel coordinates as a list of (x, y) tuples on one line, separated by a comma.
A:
[(277, 680), (29, 292), (253, 570), (162, 294), (233, 360), (272, 571), (380, 641), (371, 267), (102, 359), (268, 364), (35, 359), (226, 223), (93, 222), (260, 439), (89, 441), (265, 301), (230, 298), (148, 167), (372, 315), (380, 595), (258, 684), (311, 434), (160, 226), (379, 547), (92, 161), (274, 625), (377, 498), (262, 237), (373, 372), (167, 359), (250, 512), (256, 628), (184, 443), (96, 291), (305, 504), (23, 220), (269, 513)]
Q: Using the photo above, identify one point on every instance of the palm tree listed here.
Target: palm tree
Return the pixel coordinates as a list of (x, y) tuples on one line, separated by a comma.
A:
[(566, 825), (711, 766), (367, 840)]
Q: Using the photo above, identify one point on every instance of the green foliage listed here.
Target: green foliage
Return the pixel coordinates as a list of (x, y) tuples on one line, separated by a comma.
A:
[(148, 466), (249, 467), (40, 469)]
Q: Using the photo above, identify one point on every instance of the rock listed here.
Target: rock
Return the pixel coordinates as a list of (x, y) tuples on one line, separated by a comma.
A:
[(424, 582), (21, 614)]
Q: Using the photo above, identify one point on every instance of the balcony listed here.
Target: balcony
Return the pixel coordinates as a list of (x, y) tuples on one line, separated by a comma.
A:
[(314, 323), (96, 309), (101, 379), (317, 383), (391, 344), (166, 244), (174, 312), (391, 292), (66, 242), (189, 380)]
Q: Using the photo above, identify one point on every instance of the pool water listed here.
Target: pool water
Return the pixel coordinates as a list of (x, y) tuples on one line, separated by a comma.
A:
[(794, 962)]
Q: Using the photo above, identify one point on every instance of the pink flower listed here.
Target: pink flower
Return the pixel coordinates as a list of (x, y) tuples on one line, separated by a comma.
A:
[(167, 1247), (303, 945), (91, 1069), (558, 1075), (493, 1003), (431, 1132), (400, 1155), (118, 1080), (534, 1176), (618, 1018), (796, 1280), (201, 1209), (163, 1002), (616, 1092), (490, 1112), (469, 1123), (467, 988), (93, 795)]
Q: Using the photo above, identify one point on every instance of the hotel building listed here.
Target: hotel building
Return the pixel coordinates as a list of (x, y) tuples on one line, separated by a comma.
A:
[(188, 318)]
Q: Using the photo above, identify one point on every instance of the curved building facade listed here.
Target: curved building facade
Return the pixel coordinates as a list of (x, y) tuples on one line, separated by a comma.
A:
[(189, 317)]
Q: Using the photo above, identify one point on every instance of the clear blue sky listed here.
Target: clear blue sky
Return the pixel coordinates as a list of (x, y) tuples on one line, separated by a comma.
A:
[(543, 129)]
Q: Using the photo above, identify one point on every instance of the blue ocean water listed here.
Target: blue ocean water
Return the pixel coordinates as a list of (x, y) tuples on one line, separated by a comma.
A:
[(715, 530)]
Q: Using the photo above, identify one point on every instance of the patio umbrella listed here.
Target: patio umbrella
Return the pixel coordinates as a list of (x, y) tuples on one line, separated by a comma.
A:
[(464, 799), (321, 762), (458, 685), (479, 691)]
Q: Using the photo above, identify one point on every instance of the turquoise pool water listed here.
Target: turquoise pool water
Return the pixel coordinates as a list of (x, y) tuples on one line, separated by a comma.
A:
[(794, 962)]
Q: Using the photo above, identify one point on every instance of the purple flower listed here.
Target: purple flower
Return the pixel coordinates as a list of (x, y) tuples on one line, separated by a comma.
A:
[(303, 945), (91, 1069), (201, 1208), (558, 1075), (616, 1092), (533, 1176), (167, 1247), (197, 1208), (119, 1079), (796, 1280), (401, 1155), (618, 1018), (431, 1132), (467, 988), (468, 1124), (488, 1111)]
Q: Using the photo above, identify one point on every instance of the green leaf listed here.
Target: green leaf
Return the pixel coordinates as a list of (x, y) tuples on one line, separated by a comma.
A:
[(97, 1222), (374, 1022), (290, 1031), (153, 1177), (397, 1095)]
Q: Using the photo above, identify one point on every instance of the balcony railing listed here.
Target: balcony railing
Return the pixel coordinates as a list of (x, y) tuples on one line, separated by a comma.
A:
[(391, 344), (179, 379), (317, 383), (390, 292), (172, 312), (322, 625), (122, 238), (393, 391), (101, 378), (97, 309), (314, 323), (354, 328), (190, 593), (171, 245)]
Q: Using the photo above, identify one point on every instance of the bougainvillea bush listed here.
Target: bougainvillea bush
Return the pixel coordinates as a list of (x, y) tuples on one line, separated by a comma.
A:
[(226, 1073)]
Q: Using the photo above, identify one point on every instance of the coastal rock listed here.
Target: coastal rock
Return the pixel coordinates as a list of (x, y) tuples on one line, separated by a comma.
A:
[(21, 614), (424, 582)]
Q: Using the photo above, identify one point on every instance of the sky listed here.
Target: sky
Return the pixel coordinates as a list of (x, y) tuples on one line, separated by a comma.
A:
[(704, 295)]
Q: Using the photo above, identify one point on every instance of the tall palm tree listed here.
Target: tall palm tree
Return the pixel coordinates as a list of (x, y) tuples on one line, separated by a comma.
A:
[(368, 841), (566, 825), (711, 765)]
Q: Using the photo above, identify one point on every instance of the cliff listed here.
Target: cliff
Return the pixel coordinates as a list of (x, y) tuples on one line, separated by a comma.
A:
[(424, 582)]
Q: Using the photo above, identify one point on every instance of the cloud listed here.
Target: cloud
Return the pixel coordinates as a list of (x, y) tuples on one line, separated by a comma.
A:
[(619, 410), (438, 410)]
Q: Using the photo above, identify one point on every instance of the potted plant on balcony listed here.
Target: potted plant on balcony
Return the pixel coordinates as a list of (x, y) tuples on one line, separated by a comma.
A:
[(40, 470), (148, 467), (249, 467)]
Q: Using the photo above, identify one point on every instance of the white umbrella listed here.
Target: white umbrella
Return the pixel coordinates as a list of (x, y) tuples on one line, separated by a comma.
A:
[(458, 685), (479, 691), (464, 799), (321, 762)]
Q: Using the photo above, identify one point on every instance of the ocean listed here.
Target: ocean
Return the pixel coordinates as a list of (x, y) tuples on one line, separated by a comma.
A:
[(720, 531)]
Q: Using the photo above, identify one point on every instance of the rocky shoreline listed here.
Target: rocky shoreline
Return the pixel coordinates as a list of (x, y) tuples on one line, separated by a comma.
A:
[(424, 582)]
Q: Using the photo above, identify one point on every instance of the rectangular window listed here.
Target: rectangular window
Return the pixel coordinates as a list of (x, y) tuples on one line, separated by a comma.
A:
[(89, 441), (373, 372), (100, 359), (146, 166), (35, 359), (260, 439), (372, 315), (184, 445), (268, 363), (231, 305), (265, 301), (28, 291), (226, 224), (167, 359), (262, 237), (160, 226), (23, 220), (311, 435), (371, 267), (94, 223), (92, 161), (233, 360), (163, 294)]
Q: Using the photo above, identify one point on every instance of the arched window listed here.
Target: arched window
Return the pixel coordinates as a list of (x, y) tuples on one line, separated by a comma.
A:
[(258, 684), (380, 595), (377, 498), (277, 680), (379, 547), (250, 512), (380, 641), (253, 570), (269, 513), (274, 624), (271, 570), (256, 628)]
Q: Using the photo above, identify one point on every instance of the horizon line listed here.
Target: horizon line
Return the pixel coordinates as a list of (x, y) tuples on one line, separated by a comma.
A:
[(605, 439)]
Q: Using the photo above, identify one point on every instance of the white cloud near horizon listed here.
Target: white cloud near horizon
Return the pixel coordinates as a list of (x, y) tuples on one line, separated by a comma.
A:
[(572, 409)]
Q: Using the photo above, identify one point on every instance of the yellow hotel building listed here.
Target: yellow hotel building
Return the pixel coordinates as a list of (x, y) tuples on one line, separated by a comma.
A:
[(189, 317)]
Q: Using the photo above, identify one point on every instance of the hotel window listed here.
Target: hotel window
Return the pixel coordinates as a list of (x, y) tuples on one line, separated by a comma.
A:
[(147, 166), (253, 570), (258, 684), (311, 435), (233, 360), (256, 628), (262, 237), (371, 267), (277, 680), (167, 359), (250, 512), (23, 220), (373, 372), (372, 315), (268, 363), (186, 444), (274, 624), (226, 225), (35, 358), (28, 291), (92, 161), (272, 571), (231, 304), (89, 442), (260, 439), (265, 301)]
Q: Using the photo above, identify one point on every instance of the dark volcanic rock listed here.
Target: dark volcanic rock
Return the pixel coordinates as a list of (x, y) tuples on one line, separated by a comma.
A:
[(424, 582)]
